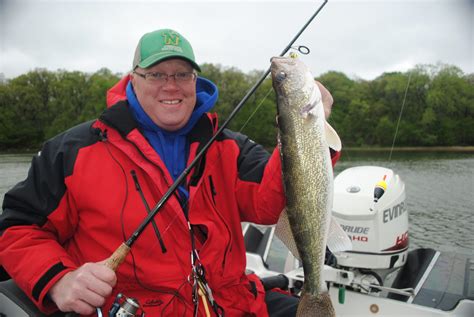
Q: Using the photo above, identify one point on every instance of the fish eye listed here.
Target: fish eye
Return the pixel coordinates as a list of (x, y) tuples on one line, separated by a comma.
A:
[(280, 76)]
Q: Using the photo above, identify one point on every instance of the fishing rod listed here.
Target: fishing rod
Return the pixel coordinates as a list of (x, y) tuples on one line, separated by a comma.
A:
[(121, 252)]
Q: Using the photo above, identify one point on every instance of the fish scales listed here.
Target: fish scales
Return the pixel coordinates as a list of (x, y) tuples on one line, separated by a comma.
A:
[(307, 175)]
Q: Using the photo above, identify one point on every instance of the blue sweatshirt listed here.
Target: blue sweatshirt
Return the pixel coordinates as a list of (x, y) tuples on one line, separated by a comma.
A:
[(173, 147)]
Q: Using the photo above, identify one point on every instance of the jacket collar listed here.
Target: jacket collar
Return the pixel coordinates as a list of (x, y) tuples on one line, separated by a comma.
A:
[(120, 118)]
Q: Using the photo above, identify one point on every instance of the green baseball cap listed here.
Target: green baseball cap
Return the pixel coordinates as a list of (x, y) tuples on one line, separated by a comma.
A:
[(162, 44)]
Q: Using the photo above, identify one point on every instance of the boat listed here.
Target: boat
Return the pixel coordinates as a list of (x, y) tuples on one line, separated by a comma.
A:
[(380, 276)]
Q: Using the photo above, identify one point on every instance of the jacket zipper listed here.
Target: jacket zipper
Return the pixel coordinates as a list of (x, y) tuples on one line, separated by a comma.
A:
[(229, 244), (175, 194), (213, 189)]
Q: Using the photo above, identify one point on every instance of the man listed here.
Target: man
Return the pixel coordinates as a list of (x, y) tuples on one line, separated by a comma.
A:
[(91, 186)]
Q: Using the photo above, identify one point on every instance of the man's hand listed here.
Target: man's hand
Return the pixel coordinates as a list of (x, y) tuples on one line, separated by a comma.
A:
[(84, 289), (327, 99)]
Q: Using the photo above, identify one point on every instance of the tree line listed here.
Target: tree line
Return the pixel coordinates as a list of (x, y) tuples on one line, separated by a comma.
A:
[(429, 105)]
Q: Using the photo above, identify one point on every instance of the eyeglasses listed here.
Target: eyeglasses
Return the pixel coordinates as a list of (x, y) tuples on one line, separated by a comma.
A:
[(161, 78)]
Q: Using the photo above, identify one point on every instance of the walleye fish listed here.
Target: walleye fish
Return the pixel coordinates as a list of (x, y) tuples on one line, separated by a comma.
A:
[(305, 138)]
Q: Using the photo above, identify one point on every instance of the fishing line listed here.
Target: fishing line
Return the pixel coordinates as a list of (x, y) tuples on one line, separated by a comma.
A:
[(174, 293), (121, 252), (256, 109), (399, 117), (119, 255), (170, 223), (303, 50)]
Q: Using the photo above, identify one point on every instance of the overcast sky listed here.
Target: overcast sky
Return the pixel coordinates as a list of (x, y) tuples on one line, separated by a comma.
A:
[(362, 38)]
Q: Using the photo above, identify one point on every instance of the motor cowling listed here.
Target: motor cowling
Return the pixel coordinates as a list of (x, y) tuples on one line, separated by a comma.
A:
[(369, 204)]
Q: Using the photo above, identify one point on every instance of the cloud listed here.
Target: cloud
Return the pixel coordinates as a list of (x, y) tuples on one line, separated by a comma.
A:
[(359, 38)]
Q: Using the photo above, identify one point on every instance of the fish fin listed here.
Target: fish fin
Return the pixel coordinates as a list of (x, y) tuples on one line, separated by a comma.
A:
[(332, 138), (309, 109), (283, 232), (337, 238), (314, 102)]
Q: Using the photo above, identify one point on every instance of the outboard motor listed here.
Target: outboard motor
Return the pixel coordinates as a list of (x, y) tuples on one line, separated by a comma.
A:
[(369, 204)]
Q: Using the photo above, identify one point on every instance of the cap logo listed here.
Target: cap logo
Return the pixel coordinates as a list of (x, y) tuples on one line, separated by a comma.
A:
[(171, 39)]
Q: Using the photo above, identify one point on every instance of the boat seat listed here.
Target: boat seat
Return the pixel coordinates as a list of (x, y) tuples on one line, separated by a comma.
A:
[(15, 303), (3, 274), (256, 241), (411, 273)]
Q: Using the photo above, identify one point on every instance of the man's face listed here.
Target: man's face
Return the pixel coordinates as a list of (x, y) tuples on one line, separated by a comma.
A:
[(169, 104)]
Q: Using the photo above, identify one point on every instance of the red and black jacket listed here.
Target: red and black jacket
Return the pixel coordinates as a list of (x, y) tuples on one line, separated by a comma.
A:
[(79, 203)]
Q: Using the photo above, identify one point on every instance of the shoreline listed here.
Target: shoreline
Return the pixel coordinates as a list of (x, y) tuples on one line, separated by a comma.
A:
[(451, 149), (447, 149)]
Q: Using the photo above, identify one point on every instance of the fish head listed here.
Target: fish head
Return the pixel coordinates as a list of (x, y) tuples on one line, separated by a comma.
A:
[(293, 81)]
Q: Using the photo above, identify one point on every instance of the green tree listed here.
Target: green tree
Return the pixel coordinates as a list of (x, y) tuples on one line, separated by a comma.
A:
[(430, 104), (68, 102), (25, 109), (96, 93)]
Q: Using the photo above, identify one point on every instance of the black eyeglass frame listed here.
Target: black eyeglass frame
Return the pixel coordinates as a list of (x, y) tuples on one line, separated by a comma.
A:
[(163, 77)]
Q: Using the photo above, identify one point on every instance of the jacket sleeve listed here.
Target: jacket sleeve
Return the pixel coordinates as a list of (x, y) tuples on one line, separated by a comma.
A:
[(37, 219), (260, 191)]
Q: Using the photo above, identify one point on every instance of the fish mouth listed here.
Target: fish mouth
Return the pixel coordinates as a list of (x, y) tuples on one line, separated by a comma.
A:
[(283, 59)]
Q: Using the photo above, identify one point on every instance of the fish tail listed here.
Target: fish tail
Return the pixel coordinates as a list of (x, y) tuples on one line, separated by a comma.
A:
[(315, 306)]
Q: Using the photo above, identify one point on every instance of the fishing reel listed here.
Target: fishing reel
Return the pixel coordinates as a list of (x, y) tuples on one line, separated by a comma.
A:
[(124, 306)]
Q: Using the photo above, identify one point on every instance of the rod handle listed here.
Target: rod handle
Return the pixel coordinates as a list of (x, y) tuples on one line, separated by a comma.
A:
[(117, 258)]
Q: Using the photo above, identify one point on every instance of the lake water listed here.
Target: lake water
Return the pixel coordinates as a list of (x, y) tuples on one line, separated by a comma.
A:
[(439, 188)]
